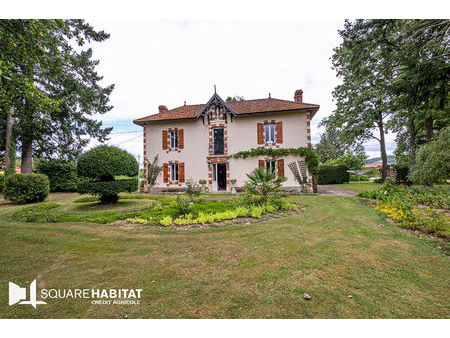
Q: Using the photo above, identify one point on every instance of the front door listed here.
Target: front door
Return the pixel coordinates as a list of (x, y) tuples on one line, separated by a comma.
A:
[(219, 175)]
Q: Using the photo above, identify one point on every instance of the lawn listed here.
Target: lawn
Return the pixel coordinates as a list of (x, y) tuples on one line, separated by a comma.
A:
[(358, 187), (333, 248)]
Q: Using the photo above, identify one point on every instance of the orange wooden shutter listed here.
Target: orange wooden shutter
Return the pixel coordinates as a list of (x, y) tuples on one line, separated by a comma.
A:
[(181, 172), (280, 167), (180, 138), (261, 164), (164, 139), (260, 133), (279, 132), (165, 172)]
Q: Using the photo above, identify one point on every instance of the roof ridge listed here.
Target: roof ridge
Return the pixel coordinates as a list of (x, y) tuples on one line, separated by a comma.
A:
[(237, 102)]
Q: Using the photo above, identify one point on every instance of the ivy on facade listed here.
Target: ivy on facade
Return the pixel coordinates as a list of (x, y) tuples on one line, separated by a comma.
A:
[(311, 159)]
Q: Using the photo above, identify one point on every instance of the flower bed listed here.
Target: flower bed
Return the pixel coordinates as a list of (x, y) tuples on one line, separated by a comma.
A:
[(424, 209), (202, 217)]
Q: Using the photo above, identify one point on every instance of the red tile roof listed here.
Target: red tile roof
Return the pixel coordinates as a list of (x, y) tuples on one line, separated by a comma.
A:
[(240, 107)]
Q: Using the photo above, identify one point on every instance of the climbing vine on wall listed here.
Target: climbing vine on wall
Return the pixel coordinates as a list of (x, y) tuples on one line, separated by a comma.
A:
[(311, 159)]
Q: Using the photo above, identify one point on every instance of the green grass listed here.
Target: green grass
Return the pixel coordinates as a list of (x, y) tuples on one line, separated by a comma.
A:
[(337, 246), (358, 187)]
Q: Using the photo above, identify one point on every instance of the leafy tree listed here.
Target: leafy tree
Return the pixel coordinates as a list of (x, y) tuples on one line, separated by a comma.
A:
[(50, 85), (395, 77), (350, 160), (235, 98), (263, 184), (363, 61), (420, 87), (433, 160), (330, 146)]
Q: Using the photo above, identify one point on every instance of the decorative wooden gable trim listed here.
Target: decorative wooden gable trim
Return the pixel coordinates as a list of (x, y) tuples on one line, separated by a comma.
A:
[(214, 101)]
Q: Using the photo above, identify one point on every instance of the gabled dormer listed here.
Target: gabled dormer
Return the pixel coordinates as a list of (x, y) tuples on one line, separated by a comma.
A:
[(216, 110)]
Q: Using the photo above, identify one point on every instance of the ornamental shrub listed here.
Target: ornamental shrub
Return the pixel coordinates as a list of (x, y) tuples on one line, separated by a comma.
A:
[(336, 174), (433, 160), (62, 174), (2, 182), (263, 185), (26, 188), (107, 171)]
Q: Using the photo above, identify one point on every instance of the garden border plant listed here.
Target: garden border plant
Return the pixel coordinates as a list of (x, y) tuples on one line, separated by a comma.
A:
[(418, 208)]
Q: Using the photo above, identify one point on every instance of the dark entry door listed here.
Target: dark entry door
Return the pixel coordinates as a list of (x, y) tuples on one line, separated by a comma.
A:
[(221, 176), (218, 142)]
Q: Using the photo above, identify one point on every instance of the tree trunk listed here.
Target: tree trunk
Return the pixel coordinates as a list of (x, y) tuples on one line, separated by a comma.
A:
[(412, 143), (382, 148), (27, 157), (429, 128), (10, 161)]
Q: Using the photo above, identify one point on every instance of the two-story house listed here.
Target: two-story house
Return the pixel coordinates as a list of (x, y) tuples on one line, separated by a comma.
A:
[(198, 141)]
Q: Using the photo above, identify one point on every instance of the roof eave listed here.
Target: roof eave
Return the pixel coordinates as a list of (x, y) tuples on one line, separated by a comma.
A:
[(141, 123)]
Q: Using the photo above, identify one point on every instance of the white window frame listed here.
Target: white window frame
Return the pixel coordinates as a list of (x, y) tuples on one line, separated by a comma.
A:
[(271, 164), (173, 136), (269, 133), (174, 173)]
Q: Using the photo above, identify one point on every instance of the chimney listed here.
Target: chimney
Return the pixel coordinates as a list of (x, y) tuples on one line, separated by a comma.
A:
[(163, 109), (298, 97)]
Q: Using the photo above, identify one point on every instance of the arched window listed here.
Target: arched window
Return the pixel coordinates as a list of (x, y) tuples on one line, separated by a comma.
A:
[(216, 110)]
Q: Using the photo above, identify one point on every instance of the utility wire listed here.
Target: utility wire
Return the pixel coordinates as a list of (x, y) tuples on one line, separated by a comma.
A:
[(131, 139)]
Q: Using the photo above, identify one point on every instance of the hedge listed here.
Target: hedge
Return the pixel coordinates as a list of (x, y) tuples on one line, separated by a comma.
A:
[(26, 188), (2, 182), (62, 174), (335, 174), (362, 178), (105, 162)]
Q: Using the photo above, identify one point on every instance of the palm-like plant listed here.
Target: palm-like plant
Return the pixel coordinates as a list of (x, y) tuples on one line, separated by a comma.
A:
[(263, 184)]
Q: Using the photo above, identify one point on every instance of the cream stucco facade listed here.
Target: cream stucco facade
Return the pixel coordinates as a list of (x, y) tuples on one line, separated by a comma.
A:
[(240, 135)]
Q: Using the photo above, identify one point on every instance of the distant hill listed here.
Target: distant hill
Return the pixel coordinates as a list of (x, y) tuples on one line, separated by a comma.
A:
[(390, 158)]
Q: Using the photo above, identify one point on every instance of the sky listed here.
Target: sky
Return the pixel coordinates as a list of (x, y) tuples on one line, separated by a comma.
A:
[(165, 62)]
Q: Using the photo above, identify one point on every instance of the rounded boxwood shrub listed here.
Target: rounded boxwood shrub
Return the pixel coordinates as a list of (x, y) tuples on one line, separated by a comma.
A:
[(62, 174), (106, 162), (333, 174), (105, 171), (26, 188)]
